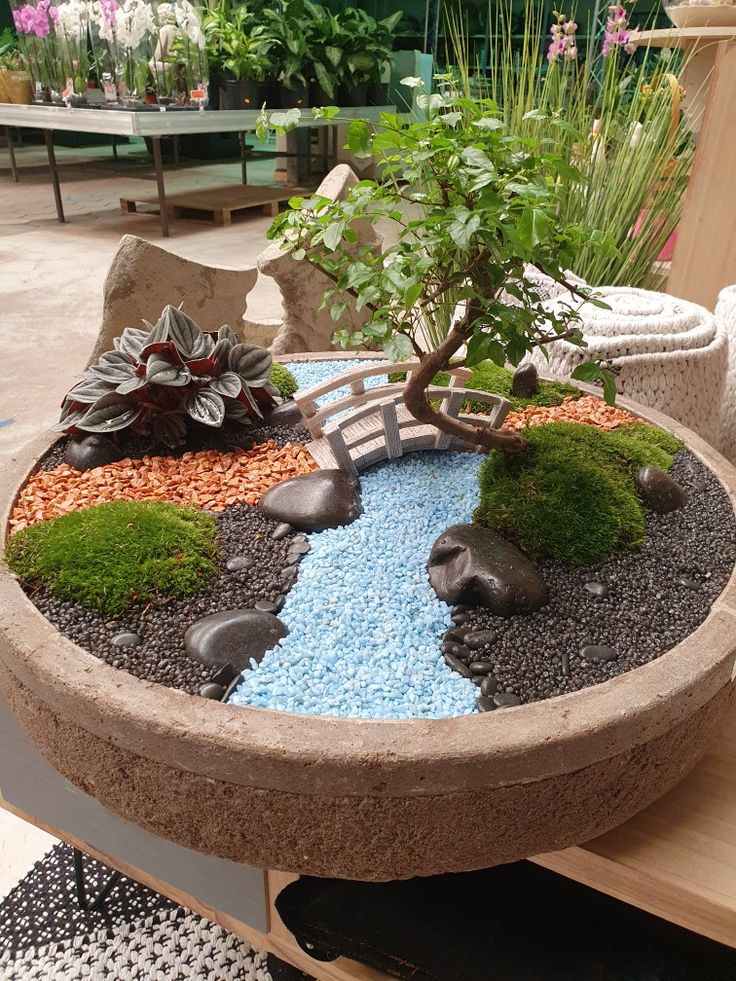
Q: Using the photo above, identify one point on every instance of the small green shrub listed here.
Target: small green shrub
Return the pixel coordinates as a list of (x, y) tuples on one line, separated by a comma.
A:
[(571, 496), (282, 379), (112, 555), (489, 377)]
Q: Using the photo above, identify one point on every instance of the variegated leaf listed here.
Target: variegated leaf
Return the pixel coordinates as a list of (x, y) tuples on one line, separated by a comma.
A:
[(236, 411), (69, 421), (170, 429), (89, 390), (190, 341), (131, 342), (228, 384), (160, 371), (246, 393), (108, 414), (250, 362), (206, 407), (221, 352), (131, 385), (226, 333)]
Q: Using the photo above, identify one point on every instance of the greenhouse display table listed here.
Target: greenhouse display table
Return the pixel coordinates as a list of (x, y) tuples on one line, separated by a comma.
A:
[(152, 124)]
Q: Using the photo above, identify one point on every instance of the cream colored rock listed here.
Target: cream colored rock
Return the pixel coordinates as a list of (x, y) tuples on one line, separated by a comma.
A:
[(305, 328), (726, 319), (669, 354), (143, 278)]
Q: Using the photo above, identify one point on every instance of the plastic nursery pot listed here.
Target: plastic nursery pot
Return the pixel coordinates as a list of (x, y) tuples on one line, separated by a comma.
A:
[(377, 94), (361, 798), (242, 94), (295, 98), (353, 95)]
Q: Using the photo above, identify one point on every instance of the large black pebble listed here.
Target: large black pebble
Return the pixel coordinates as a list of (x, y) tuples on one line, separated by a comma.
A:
[(285, 414), (505, 699), (659, 491), (239, 562), (525, 382), (476, 640), (88, 452), (281, 531), (126, 639), (314, 501), (233, 636), (213, 691), (473, 565), (484, 704), (457, 665)]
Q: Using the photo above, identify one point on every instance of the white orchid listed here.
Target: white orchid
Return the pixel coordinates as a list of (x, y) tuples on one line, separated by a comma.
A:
[(187, 17), (166, 13), (133, 21), (72, 17)]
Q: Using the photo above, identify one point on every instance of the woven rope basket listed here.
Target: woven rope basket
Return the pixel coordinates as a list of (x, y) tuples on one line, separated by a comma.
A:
[(669, 354), (726, 320)]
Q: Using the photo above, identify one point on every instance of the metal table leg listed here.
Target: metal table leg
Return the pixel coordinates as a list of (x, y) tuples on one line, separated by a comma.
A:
[(243, 159), (114, 146), (176, 151), (11, 154), (49, 137), (159, 170)]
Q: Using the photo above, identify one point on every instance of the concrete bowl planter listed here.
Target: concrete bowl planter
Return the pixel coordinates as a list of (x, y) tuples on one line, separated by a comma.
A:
[(367, 799)]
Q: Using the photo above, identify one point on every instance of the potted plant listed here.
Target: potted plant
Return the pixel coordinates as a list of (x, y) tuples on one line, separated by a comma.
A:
[(15, 82), (367, 45), (285, 26), (239, 46), (325, 52), (485, 205)]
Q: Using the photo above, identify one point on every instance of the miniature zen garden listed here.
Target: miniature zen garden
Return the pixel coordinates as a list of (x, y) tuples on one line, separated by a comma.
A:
[(186, 529)]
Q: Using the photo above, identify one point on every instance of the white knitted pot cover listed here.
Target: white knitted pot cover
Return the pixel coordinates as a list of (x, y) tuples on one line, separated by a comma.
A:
[(726, 320), (670, 354)]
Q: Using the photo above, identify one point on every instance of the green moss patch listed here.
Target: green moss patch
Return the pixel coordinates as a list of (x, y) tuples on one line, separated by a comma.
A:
[(571, 497), (488, 377), (282, 379), (112, 555)]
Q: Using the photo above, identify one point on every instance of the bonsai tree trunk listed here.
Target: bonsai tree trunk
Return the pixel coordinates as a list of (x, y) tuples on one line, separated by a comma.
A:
[(416, 399)]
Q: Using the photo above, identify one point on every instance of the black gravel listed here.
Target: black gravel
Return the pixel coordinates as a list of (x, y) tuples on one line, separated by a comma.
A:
[(161, 656), (200, 438), (652, 599)]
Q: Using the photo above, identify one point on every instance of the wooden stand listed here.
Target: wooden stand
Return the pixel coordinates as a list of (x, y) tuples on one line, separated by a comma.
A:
[(218, 204), (705, 254)]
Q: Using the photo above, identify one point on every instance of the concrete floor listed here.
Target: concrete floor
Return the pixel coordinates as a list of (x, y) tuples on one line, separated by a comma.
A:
[(51, 278)]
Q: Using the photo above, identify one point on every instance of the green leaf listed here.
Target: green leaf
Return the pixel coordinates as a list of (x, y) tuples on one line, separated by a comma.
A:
[(534, 227), (412, 82), (337, 309), (489, 122), (482, 347), (398, 348), (412, 294), (475, 157), (333, 235), (326, 112), (535, 114), (461, 232), (588, 371), (285, 121), (359, 138)]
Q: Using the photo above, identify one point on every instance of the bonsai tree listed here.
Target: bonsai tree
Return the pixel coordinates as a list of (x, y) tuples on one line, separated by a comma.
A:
[(469, 205)]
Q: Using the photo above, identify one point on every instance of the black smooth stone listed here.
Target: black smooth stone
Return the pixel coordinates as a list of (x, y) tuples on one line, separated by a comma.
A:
[(281, 531), (299, 548), (289, 572), (213, 691), (484, 704), (461, 608), (659, 491), (489, 686), (505, 699), (480, 667), (459, 619), (315, 501), (476, 640), (472, 564), (688, 582), (461, 651), (597, 589), (286, 413), (233, 636), (457, 665), (126, 639), (90, 451), (447, 647), (225, 675), (525, 382), (598, 653), (239, 562)]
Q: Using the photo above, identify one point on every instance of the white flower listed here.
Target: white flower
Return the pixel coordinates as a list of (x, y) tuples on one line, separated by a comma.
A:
[(166, 13), (133, 21), (72, 18), (187, 17)]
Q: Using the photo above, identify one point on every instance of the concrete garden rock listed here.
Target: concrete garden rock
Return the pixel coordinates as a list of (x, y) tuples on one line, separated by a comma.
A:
[(475, 566)]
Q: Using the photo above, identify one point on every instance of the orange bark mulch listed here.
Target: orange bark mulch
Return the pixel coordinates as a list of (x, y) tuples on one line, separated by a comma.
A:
[(587, 409), (209, 479)]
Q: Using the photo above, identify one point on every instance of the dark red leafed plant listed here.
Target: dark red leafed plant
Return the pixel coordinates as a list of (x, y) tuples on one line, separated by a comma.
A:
[(157, 380)]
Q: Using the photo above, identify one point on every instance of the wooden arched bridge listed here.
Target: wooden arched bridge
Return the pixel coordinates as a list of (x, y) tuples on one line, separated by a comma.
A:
[(372, 424)]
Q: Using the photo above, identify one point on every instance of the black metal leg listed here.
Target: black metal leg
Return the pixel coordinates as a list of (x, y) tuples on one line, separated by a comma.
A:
[(333, 161), (84, 902), (11, 154), (114, 146), (49, 137), (176, 151), (243, 159), (158, 167)]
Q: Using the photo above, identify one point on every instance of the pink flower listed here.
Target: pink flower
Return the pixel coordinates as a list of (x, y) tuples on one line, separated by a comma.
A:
[(562, 44), (617, 33)]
